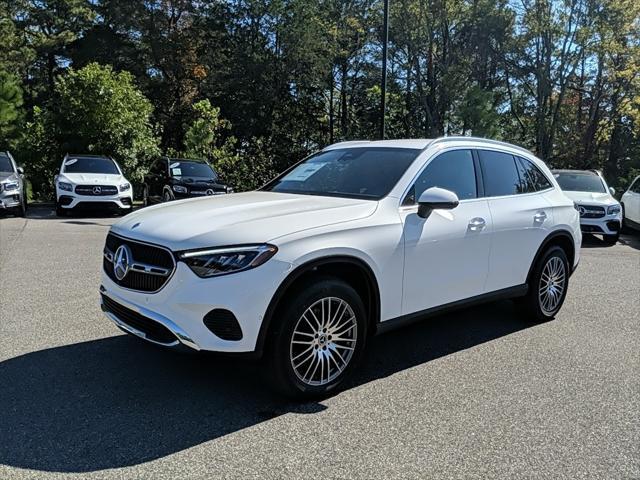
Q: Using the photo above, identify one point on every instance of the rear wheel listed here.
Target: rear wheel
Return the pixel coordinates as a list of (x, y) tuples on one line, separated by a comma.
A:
[(547, 286), (321, 339)]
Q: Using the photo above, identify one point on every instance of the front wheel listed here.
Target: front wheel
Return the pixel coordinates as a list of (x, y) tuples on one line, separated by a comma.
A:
[(547, 285), (166, 196), (321, 339), (22, 209), (611, 239)]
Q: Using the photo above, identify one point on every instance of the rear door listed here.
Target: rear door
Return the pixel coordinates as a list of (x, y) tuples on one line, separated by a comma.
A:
[(521, 215), (632, 202)]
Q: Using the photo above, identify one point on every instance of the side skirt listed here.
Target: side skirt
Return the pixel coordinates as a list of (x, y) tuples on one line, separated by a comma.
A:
[(404, 320)]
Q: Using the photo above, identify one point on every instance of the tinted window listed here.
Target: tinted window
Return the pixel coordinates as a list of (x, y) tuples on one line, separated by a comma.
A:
[(184, 168), (90, 165), (365, 172), (580, 182), (158, 168), (5, 164), (531, 178), (500, 174), (636, 186), (452, 170)]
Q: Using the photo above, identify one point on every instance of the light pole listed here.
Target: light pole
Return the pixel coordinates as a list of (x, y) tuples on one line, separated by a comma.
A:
[(385, 40)]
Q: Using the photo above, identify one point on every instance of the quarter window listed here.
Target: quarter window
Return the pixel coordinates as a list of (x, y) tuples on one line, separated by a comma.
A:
[(500, 174), (532, 179), (451, 170)]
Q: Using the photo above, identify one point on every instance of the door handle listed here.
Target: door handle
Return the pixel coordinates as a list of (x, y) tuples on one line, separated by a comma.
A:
[(540, 217), (476, 224)]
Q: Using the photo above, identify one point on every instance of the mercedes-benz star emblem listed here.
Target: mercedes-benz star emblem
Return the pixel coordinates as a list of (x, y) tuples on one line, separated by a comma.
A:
[(209, 192), (97, 190), (121, 262), (582, 210)]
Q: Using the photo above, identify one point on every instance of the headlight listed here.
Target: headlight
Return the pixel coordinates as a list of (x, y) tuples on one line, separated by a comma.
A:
[(124, 187), (10, 186), (220, 261), (613, 210), (179, 189), (65, 186)]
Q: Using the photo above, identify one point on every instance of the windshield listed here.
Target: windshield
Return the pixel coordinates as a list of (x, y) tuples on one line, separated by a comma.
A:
[(580, 182), (185, 168), (366, 172), (5, 164), (90, 165)]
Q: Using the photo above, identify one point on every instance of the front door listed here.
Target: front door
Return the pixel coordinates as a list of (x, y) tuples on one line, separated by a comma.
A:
[(446, 254)]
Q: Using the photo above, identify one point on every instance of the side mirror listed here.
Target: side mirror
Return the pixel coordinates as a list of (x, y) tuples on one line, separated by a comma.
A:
[(612, 191), (436, 198), (20, 170)]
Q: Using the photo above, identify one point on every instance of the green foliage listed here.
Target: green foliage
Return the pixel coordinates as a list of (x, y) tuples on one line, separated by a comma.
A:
[(290, 76), (10, 108), (94, 110)]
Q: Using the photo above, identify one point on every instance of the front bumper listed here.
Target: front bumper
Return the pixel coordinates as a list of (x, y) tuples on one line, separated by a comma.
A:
[(71, 200), (9, 199), (607, 225), (181, 305)]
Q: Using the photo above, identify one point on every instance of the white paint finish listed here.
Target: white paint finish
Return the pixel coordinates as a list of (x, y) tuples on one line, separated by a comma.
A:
[(631, 201), (446, 256), (418, 263)]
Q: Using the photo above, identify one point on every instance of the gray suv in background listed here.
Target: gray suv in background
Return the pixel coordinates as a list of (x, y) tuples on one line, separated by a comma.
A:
[(13, 195)]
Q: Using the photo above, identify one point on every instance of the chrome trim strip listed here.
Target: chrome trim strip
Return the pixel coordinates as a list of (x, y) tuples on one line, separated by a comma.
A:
[(181, 335)]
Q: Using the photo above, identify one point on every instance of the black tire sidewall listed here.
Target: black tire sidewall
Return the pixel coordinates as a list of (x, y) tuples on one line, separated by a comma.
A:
[(280, 366), (533, 301)]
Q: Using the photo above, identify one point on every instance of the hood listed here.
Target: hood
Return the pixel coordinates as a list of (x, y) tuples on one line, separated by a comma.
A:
[(92, 178), (589, 198), (240, 218), (8, 176)]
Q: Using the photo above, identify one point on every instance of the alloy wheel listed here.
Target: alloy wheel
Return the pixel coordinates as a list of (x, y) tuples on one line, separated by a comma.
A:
[(323, 341), (552, 285)]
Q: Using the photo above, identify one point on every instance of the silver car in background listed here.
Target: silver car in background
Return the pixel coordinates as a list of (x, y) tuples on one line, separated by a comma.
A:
[(13, 195)]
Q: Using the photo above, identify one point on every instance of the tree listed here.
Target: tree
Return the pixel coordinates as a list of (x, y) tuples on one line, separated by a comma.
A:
[(10, 108), (94, 110)]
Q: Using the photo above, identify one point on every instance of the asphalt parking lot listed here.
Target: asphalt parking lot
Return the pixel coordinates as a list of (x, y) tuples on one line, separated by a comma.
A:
[(479, 393)]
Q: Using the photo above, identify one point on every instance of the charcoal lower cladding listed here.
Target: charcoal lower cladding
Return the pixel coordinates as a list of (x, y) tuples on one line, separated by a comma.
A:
[(153, 330), (141, 252)]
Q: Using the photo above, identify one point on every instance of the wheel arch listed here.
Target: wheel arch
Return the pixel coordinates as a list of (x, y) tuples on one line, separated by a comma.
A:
[(560, 238), (353, 270)]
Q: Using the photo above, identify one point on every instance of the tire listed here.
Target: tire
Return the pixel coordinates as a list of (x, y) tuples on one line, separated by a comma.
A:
[(145, 197), (611, 239), (21, 211), (60, 212), (540, 305), (166, 196), (304, 360)]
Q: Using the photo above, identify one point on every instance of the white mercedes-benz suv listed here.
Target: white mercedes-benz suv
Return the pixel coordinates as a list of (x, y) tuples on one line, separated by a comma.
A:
[(600, 212), (352, 241), (92, 181)]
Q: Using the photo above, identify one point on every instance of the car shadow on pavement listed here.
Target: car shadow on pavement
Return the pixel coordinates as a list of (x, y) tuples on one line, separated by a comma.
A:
[(118, 402)]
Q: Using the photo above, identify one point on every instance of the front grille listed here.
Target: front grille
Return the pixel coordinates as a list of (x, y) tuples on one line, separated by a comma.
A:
[(96, 190), (153, 330), (142, 253), (591, 211)]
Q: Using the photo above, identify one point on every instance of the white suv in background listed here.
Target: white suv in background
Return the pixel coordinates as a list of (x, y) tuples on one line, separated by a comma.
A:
[(631, 205), (600, 212), (355, 240), (92, 181)]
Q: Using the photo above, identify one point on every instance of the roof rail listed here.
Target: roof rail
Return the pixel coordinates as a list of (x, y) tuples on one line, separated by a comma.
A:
[(457, 138), (346, 143)]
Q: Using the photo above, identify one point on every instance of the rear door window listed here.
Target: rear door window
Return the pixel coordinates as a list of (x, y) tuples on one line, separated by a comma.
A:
[(500, 174)]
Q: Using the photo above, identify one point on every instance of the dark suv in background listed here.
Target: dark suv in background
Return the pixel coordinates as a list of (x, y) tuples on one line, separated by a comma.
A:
[(176, 178), (13, 192)]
